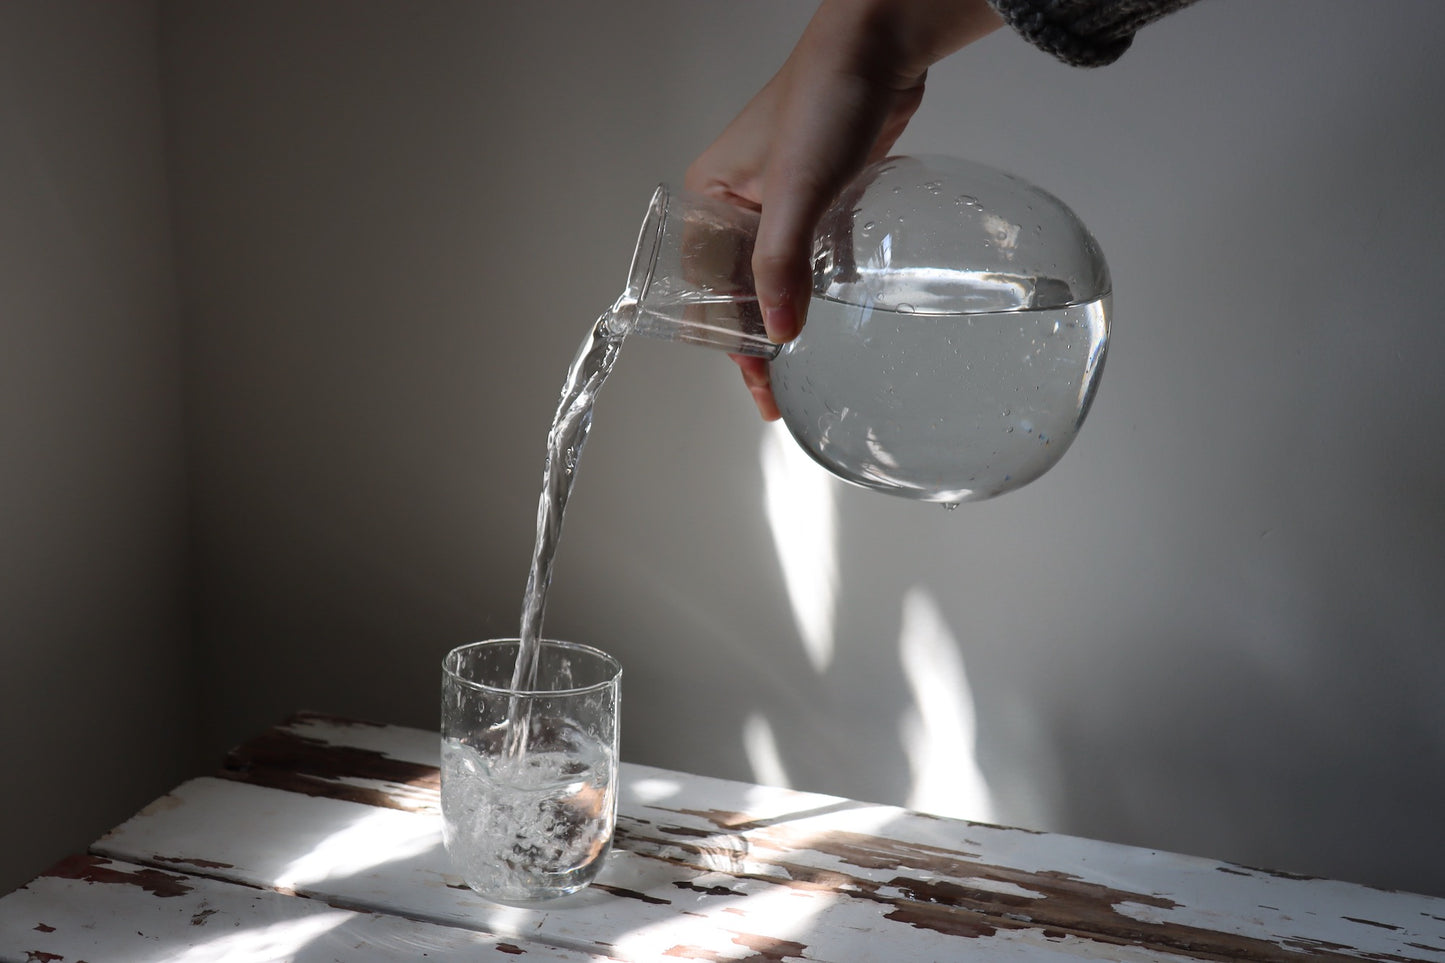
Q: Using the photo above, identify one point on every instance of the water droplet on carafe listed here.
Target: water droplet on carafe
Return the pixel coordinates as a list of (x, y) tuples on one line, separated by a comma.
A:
[(951, 505)]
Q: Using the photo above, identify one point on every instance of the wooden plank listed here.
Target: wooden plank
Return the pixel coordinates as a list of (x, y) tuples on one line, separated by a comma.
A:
[(784, 892), (88, 907), (1171, 902), (390, 766), (1159, 899), (397, 767), (381, 859)]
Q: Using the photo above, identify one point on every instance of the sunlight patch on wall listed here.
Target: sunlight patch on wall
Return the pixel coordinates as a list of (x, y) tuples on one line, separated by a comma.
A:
[(801, 507), (940, 731), (761, 747)]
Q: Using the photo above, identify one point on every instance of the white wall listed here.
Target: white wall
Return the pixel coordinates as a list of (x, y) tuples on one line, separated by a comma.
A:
[(1213, 628), (97, 697)]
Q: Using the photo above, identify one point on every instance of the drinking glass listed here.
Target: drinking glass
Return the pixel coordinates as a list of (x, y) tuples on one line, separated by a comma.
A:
[(529, 774)]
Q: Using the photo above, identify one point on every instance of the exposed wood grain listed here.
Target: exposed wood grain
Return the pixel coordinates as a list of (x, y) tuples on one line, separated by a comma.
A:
[(718, 869), (1083, 888), (90, 908), (324, 829)]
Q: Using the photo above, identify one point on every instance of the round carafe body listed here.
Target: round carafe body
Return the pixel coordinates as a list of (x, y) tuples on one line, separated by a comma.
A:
[(956, 335), (940, 407)]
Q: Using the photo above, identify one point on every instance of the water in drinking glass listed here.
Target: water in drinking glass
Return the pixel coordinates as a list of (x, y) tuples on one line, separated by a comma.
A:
[(533, 825), (536, 823)]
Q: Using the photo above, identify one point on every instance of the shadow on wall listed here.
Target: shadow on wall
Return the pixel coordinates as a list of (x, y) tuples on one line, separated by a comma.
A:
[(1293, 661), (1174, 724), (1240, 656)]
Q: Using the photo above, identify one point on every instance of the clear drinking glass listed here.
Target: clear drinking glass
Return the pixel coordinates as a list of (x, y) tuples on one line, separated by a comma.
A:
[(531, 818)]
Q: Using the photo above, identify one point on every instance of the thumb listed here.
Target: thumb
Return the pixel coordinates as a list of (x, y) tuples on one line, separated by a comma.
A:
[(782, 259), (807, 168), (830, 125)]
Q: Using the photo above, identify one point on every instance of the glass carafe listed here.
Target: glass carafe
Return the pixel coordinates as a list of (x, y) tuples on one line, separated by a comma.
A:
[(955, 337)]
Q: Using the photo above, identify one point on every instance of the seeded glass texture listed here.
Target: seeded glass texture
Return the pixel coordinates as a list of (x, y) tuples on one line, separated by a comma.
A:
[(956, 334), (529, 815)]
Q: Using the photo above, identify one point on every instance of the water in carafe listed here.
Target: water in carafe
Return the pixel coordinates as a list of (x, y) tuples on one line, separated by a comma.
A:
[(947, 407), (955, 336)]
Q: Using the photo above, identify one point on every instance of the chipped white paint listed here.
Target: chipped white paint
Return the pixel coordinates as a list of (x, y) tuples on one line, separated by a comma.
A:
[(666, 911), (716, 870), (1001, 887), (1222, 897), (200, 920)]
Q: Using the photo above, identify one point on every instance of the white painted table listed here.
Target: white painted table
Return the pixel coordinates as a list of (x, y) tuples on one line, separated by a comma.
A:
[(321, 840)]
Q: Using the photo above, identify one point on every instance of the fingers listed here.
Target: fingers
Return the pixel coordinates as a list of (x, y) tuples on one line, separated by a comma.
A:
[(759, 381), (841, 99), (820, 107)]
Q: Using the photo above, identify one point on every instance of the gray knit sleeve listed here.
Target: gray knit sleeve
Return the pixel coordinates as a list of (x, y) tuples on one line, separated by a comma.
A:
[(1084, 33)]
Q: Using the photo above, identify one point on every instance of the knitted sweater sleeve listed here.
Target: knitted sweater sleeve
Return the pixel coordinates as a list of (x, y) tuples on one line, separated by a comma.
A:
[(1084, 33)]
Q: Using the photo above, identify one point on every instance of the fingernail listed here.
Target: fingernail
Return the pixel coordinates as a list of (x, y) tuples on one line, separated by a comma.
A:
[(781, 321)]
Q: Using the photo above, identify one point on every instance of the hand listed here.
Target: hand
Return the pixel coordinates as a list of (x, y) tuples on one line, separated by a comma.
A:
[(838, 103)]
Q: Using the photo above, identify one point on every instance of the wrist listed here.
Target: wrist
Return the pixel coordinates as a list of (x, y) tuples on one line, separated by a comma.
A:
[(898, 40)]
